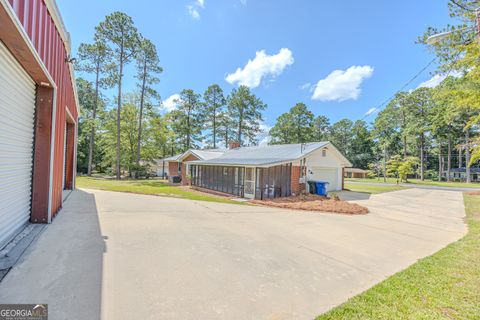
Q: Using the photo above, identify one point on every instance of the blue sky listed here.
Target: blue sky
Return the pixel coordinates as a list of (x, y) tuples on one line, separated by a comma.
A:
[(341, 58)]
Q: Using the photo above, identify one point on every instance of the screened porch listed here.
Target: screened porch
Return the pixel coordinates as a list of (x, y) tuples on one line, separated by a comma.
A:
[(219, 178)]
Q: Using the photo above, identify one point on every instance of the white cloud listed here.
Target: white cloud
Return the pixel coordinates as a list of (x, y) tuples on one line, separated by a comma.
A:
[(371, 111), (171, 102), (193, 8), (432, 82), (263, 65), (264, 135), (437, 79), (193, 12), (243, 2), (341, 85), (305, 86)]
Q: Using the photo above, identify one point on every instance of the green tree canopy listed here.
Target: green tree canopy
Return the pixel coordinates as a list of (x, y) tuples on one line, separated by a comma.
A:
[(245, 112), (295, 126)]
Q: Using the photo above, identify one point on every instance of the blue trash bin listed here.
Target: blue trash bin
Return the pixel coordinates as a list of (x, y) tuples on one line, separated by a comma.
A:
[(321, 188)]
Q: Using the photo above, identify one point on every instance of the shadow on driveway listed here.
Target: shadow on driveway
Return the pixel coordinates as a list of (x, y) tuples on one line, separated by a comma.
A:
[(64, 266), (352, 196)]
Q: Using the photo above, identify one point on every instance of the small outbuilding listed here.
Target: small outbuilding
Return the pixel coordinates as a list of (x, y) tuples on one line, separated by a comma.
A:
[(355, 173)]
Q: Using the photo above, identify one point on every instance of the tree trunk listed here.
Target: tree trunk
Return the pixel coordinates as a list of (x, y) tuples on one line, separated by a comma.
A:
[(140, 116), (119, 107), (384, 163), (422, 157), (404, 135), (226, 137), (440, 163), (214, 129), (449, 158), (163, 162), (94, 115), (467, 155), (460, 162), (188, 129), (240, 127)]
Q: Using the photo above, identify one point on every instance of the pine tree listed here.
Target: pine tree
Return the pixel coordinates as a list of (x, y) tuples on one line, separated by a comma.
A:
[(214, 110), (119, 33), (148, 67), (245, 111)]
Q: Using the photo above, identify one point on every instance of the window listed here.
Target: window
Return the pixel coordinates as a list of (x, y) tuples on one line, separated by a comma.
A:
[(324, 152), (179, 167), (225, 171)]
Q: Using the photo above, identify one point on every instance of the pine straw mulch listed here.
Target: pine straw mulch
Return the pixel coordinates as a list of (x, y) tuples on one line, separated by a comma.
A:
[(312, 202)]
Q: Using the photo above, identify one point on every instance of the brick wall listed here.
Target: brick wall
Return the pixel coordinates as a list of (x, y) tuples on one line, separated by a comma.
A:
[(172, 168), (296, 187), (185, 174)]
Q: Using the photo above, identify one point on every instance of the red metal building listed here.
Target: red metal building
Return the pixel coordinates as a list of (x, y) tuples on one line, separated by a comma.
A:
[(38, 114)]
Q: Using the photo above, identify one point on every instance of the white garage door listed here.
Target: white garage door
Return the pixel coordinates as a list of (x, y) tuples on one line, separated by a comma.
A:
[(17, 108), (329, 175)]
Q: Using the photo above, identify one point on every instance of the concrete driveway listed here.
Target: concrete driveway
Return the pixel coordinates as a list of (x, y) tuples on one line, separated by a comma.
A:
[(123, 256)]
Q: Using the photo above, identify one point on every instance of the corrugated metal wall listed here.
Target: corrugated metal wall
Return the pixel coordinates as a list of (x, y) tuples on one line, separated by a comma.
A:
[(17, 92), (46, 39)]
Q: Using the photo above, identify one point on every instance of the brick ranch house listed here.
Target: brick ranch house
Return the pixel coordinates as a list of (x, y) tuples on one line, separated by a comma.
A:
[(262, 172), (38, 114), (355, 173), (177, 165)]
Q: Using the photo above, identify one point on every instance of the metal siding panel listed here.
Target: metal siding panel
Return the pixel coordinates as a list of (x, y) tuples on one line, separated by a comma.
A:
[(17, 106), (40, 27), (37, 26), (31, 20)]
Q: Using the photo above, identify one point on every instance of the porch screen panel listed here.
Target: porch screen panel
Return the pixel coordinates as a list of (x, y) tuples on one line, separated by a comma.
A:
[(219, 178), (273, 182)]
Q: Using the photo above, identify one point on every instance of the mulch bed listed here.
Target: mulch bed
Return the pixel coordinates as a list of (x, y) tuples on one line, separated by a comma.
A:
[(314, 203)]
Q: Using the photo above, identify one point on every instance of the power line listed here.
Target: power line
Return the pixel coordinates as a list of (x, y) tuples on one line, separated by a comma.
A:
[(461, 6), (403, 87)]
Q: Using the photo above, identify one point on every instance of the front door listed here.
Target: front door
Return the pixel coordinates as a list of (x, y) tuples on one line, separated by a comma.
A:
[(249, 191)]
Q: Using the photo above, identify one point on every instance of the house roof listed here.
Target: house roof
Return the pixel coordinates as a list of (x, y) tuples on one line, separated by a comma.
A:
[(205, 154), (266, 155), (172, 158)]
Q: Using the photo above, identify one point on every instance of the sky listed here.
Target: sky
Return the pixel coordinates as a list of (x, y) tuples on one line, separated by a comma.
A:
[(341, 58)]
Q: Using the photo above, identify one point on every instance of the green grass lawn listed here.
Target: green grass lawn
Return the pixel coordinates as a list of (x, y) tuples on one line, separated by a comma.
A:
[(369, 188), (151, 187), (418, 181), (445, 285)]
